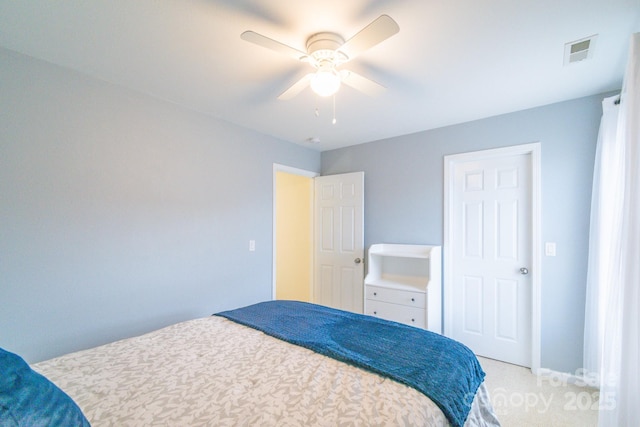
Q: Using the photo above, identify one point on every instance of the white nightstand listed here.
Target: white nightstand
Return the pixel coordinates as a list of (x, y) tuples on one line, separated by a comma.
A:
[(403, 284)]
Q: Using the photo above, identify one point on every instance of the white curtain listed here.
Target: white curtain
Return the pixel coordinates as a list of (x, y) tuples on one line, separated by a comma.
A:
[(603, 240), (612, 316)]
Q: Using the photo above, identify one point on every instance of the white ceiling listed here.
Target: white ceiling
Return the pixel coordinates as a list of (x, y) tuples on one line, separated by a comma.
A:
[(452, 61)]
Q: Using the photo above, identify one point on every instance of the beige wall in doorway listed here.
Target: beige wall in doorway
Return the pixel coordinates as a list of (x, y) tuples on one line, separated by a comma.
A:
[(294, 226)]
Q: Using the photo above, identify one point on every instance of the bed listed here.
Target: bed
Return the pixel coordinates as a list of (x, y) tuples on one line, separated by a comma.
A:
[(281, 363)]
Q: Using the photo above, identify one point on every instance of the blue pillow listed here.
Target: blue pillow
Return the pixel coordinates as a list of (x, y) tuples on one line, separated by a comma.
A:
[(29, 399)]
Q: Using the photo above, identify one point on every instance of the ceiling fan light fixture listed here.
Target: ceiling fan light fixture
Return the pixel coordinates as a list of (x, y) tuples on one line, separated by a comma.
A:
[(326, 52), (325, 82)]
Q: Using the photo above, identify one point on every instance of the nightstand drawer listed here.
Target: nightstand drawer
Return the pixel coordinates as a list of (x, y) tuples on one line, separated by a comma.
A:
[(398, 313), (395, 296)]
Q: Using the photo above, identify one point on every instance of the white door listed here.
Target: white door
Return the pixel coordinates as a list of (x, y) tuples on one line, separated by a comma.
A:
[(489, 292), (339, 241)]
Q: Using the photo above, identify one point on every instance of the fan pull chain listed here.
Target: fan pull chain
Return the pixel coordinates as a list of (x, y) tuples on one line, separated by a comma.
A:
[(334, 110)]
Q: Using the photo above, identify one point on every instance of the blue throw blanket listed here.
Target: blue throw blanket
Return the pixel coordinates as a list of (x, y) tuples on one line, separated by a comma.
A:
[(443, 369), (29, 399)]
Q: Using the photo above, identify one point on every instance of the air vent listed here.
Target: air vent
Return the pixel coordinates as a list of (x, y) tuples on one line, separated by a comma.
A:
[(579, 50)]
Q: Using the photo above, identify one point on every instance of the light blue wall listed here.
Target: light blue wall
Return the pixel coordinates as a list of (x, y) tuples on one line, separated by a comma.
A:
[(404, 199), (120, 213)]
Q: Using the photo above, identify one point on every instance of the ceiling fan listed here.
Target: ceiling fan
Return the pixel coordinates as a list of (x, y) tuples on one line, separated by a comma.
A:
[(326, 52)]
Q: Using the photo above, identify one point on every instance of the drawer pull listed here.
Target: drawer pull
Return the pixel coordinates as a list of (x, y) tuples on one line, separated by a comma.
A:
[(413, 320), (375, 293), (413, 300), (375, 312)]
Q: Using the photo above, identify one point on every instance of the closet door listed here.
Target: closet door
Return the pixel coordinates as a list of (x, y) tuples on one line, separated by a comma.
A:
[(489, 291)]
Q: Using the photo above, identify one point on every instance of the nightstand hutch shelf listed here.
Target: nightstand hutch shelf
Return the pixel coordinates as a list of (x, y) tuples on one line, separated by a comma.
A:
[(404, 285)]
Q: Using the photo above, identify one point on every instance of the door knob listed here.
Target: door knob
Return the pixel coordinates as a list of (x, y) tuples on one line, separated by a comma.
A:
[(524, 270), (357, 260)]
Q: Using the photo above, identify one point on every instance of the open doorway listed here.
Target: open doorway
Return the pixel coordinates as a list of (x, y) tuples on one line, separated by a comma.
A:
[(292, 233)]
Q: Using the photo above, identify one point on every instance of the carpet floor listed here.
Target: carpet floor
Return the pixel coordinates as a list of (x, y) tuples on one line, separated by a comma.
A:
[(521, 399)]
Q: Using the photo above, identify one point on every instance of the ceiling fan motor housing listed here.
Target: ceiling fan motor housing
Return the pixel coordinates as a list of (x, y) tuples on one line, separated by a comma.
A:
[(323, 48)]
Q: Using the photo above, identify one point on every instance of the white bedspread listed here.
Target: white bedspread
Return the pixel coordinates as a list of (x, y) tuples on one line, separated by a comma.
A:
[(214, 372)]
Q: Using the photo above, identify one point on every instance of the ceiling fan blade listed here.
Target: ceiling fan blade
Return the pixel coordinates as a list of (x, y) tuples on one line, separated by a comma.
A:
[(272, 44), (376, 32), (297, 87), (361, 83)]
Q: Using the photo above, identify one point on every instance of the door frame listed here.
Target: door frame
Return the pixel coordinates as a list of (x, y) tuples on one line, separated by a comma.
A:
[(294, 171), (450, 161)]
